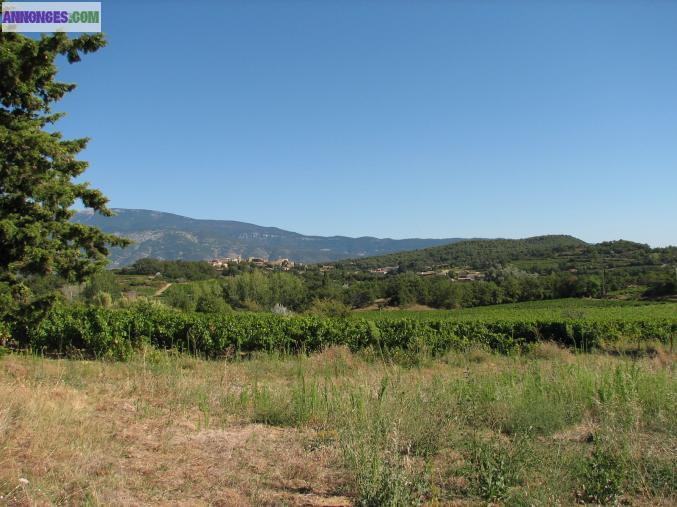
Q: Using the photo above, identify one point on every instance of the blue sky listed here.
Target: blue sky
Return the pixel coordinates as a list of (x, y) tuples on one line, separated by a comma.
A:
[(388, 118)]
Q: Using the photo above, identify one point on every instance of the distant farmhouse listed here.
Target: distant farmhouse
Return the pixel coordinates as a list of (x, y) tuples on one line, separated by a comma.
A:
[(469, 276), (384, 270)]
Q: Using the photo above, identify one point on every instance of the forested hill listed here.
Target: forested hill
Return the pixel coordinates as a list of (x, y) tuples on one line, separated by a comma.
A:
[(535, 254)]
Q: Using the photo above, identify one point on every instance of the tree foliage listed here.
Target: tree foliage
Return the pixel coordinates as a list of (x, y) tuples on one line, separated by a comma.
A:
[(105, 281), (172, 270), (38, 168)]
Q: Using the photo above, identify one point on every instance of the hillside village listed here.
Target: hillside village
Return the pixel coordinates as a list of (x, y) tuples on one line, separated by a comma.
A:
[(281, 264)]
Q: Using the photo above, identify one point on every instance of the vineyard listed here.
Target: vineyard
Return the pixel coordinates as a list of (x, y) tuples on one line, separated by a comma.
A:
[(116, 333), (570, 309)]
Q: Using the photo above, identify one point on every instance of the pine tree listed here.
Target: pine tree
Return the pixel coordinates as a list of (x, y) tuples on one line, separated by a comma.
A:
[(37, 180)]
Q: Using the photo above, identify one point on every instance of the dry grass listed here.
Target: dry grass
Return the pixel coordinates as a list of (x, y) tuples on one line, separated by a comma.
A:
[(330, 429), (102, 433), (551, 351)]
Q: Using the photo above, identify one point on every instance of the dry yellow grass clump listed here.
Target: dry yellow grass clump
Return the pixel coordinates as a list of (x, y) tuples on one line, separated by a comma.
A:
[(338, 429)]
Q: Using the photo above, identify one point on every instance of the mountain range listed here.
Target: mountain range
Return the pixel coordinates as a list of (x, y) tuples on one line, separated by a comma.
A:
[(168, 236)]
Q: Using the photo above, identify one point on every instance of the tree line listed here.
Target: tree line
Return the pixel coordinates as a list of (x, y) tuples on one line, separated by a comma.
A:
[(338, 291)]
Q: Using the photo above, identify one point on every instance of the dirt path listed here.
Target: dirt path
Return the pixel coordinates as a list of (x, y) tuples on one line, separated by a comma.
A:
[(162, 289)]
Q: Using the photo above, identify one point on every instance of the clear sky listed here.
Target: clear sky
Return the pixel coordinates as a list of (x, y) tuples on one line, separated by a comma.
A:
[(389, 118)]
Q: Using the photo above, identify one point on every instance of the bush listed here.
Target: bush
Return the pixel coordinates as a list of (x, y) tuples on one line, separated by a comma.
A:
[(603, 475), (497, 467), (103, 299), (381, 480), (329, 308), (103, 282), (5, 333), (210, 303)]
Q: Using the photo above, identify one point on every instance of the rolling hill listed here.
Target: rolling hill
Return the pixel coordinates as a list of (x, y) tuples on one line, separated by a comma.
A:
[(476, 252), (539, 253), (168, 236)]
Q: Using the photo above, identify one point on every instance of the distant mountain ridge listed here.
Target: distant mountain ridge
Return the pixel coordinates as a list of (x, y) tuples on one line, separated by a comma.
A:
[(168, 236)]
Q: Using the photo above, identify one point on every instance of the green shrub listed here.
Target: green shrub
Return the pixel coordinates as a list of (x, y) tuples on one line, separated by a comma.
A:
[(211, 303), (103, 299), (497, 467), (5, 333), (102, 282), (603, 475), (329, 308), (382, 481)]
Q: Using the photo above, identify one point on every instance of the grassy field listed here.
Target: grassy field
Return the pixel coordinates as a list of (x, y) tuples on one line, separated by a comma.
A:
[(141, 285), (575, 308), (544, 428)]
